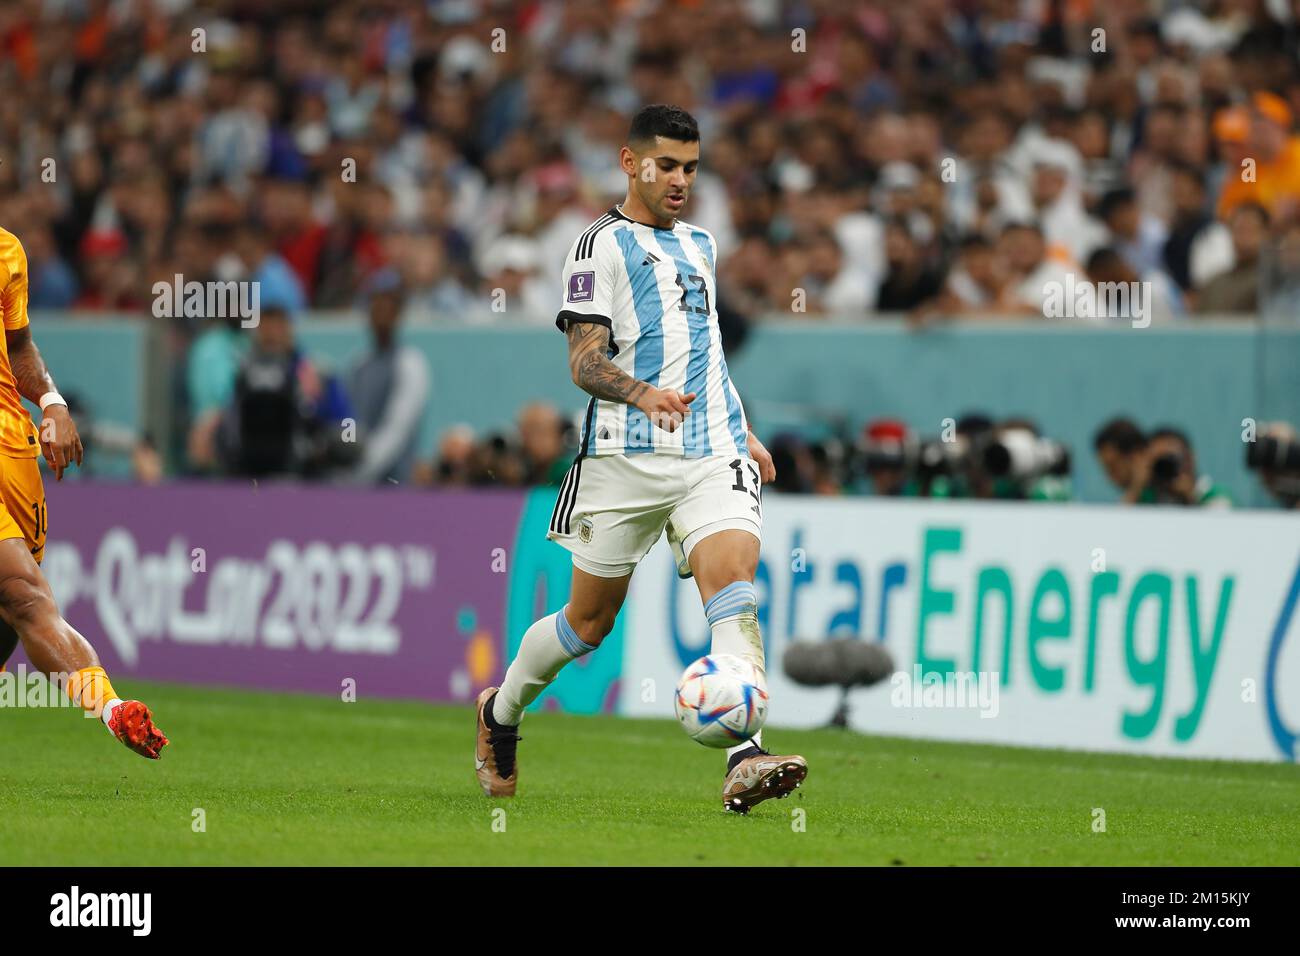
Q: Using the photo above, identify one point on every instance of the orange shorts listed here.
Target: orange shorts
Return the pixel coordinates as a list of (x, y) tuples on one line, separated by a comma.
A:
[(22, 503)]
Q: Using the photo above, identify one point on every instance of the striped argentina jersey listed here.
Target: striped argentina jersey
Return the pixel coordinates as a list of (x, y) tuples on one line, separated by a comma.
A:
[(656, 291)]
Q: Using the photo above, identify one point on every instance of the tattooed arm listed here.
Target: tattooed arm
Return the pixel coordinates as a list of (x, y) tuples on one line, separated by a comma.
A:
[(591, 368), (60, 442), (595, 374), (29, 369)]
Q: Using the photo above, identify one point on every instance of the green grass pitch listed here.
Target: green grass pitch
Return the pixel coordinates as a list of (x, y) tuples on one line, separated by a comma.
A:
[(289, 779)]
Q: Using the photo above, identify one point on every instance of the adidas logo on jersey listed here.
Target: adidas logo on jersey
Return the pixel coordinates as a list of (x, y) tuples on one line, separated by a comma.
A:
[(649, 258)]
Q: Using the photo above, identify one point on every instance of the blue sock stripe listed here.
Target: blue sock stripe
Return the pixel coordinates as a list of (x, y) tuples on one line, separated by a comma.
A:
[(563, 631), (573, 645), (731, 610), (729, 602), (727, 608), (736, 589), (735, 597)]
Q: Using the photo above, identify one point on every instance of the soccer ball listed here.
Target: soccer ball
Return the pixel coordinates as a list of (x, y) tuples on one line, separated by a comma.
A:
[(721, 700)]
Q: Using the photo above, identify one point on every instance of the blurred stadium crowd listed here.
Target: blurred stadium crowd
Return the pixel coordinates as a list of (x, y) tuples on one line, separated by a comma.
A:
[(943, 158)]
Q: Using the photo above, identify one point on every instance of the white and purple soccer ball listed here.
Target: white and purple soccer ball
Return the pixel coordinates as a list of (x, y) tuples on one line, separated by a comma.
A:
[(721, 700)]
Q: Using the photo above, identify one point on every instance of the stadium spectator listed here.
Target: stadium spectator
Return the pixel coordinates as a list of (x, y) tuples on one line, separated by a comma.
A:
[(1237, 290), (1056, 192), (431, 281), (1199, 247), (286, 209), (1262, 135), (975, 286), (1157, 150), (1022, 248), (1282, 282), (512, 286), (286, 417), (1122, 294), (255, 261), (214, 360), (831, 286), (909, 279), (110, 279), (1139, 239), (1090, 133), (389, 388), (52, 283)]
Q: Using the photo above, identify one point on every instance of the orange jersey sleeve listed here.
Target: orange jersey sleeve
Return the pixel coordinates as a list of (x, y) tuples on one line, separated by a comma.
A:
[(13, 281), (17, 432)]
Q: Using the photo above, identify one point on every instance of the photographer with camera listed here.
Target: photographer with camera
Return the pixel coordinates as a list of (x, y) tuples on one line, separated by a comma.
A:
[(1121, 450), (1022, 465), (888, 452), (1160, 471), (1275, 454), (953, 468), (979, 459)]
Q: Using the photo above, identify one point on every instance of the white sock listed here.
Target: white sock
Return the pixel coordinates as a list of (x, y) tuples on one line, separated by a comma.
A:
[(733, 621), (107, 714), (548, 645)]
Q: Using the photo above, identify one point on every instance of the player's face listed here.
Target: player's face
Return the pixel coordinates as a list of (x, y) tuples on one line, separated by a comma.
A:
[(665, 174)]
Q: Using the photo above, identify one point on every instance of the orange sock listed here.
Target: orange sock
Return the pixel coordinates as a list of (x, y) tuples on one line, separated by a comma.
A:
[(90, 688)]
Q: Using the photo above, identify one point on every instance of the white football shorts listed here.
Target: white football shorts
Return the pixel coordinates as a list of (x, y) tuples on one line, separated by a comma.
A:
[(611, 509)]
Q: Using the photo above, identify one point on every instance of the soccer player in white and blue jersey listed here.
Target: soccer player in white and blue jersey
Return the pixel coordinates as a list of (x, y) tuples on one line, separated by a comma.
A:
[(665, 447)]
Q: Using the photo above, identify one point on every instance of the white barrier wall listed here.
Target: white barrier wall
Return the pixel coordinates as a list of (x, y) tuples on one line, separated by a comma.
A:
[(1148, 630)]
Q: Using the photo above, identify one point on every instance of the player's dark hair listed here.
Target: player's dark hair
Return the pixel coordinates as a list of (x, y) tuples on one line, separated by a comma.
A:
[(1122, 434), (660, 119)]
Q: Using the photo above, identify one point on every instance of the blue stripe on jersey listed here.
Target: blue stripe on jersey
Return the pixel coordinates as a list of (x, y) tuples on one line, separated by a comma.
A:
[(706, 247), (695, 437), (649, 359), (734, 423)]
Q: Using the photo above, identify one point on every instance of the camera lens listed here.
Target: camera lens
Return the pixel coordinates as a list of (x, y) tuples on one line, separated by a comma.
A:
[(1166, 467)]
